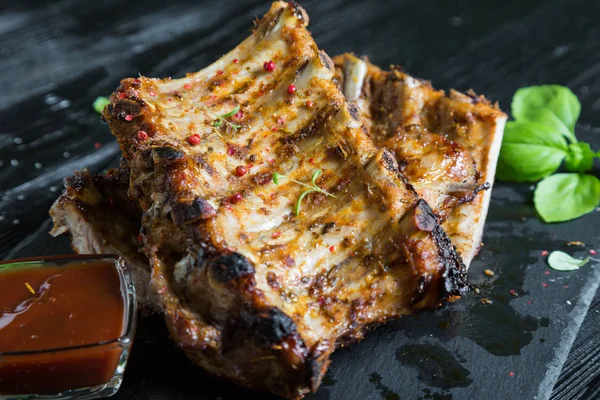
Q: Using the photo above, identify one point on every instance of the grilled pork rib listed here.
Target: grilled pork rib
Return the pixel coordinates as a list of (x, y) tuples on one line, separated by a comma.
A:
[(101, 219), (447, 145), (250, 290)]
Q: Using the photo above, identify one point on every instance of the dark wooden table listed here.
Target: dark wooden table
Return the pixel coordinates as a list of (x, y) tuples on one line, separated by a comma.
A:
[(56, 57)]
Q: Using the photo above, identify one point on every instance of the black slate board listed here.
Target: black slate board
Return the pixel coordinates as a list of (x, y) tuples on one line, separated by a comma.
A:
[(513, 347), (74, 51)]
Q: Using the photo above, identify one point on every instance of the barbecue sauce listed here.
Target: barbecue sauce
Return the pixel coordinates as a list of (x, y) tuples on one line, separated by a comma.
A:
[(52, 319)]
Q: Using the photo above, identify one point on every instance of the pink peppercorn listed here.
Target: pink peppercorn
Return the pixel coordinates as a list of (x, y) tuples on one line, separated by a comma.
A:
[(291, 89), (193, 139), (269, 66), (240, 170), (236, 198), (142, 135)]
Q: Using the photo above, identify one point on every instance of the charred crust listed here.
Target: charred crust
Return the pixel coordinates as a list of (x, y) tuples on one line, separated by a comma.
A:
[(485, 186), (302, 67), (469, 197), (312, 127), (262, 178), (353, 111), (315, 374), (273, 326), (187, 212), (327, 227), (456, 282), (78, 181), (125, 107), (317, 367), (326, 61), (389, 161), (166, 155), (423, 217), (269, 25), (342, 150), (205, 165), (200, 255), (454, 271), (298, 12), (229, 267)]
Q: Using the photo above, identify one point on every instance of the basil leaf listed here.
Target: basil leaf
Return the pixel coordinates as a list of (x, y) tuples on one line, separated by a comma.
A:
[(561, 101), (561, 261), (580, 157), (548, 118), (530, 151), (562, 197), (100, 103)]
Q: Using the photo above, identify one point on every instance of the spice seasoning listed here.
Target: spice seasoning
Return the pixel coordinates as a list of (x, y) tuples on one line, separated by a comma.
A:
[(142, 135), (269, 66), (240, 170), (236, 198), (193, 139)]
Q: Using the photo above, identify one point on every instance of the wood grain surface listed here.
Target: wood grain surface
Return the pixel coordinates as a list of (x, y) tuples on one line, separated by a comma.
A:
[(57, 57)]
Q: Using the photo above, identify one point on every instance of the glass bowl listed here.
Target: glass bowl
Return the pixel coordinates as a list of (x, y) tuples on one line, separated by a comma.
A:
[(88, 371)]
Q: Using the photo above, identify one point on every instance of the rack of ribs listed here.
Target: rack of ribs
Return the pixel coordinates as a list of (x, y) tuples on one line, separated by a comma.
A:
[(252, 288)]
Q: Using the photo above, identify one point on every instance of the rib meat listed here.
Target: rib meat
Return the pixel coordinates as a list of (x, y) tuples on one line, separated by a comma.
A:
[(446, 145), (250, 290), (101, 219)]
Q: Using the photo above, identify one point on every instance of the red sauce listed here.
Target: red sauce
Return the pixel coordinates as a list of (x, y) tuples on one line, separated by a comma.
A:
[(72, 305)]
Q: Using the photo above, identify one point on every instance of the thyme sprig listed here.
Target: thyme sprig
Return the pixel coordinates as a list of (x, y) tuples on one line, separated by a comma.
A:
[(312, 188), (219, 120)]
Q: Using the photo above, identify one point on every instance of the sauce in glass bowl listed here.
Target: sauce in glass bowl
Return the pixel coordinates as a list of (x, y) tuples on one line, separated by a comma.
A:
[(66, 326)]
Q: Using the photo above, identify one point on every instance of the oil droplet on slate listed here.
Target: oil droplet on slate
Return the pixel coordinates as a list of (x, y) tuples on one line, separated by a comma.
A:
[(428, 394), (435, 365), (386, 392), (328, 380)]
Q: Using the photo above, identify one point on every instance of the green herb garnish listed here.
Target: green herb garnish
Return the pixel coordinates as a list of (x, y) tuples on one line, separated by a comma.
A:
[(313, 188), (20, 264), (561, 261), (100, 103), (219, 120), (562, 197), (538, 142)]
